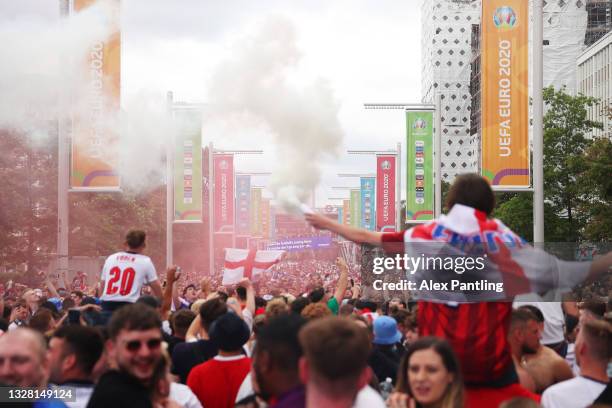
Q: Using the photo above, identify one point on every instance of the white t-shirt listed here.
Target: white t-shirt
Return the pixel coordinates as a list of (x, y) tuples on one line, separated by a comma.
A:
[(124, 275), (579, 392), (184, 396)]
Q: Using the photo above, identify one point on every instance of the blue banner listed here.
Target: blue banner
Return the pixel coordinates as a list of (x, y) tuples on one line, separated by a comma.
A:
[(300, 244), (368, 189)]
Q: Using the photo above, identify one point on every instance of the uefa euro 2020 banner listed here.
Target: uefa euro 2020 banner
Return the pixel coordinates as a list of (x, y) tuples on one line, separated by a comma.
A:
[(188, 166), (223, 166), (95, 153), (256, 204), (420, 183), (243, 204), (355, 208), (505, 96), (368, 218), (346, 212), (385, 193)]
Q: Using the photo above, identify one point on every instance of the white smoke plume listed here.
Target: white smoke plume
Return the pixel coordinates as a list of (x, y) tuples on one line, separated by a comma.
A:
[(42, 79), (303, 121), (38, 76)]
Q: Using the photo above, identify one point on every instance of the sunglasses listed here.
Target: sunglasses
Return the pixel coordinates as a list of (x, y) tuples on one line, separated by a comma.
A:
[(135, 345)]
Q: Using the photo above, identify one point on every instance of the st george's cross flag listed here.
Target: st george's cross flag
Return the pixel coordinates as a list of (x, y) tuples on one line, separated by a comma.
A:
[(245, 263)]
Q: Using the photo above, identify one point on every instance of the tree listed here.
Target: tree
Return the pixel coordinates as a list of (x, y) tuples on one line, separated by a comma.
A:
[(28, 203), (565, 145), (596, 184)]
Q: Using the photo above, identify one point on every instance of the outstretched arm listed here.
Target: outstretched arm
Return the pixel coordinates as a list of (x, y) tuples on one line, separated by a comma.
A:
[(342, 280), (358, 235)]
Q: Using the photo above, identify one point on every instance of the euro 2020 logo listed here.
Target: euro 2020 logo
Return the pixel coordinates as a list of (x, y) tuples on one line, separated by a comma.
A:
[(385, 165), (504, 18), (419, 123)]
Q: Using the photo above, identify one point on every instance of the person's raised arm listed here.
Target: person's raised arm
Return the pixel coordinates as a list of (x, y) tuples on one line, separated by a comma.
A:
[(250, 295), (342, 280), (171, 278), (358, 235), (51, 287)]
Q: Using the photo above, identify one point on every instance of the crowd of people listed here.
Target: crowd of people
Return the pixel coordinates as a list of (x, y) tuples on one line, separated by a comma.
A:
[(308, 340)]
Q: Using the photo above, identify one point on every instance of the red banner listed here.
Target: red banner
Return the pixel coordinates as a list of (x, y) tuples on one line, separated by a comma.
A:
[(385, 193), (224, 192)]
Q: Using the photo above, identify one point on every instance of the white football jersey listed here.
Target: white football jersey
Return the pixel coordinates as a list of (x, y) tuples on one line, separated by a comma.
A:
[(124, 275)]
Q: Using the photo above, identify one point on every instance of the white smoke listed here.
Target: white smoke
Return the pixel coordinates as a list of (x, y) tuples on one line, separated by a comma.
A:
[(303, 121), (38, 74), (43, 79)]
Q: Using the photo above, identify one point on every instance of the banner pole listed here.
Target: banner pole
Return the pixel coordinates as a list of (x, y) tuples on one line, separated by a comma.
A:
[(398, 186), (438, 156), (211, 198), (64, 127), (169, 185), (538, 139)]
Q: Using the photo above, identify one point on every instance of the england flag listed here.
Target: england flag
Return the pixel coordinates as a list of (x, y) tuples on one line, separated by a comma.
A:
[(245, 263)]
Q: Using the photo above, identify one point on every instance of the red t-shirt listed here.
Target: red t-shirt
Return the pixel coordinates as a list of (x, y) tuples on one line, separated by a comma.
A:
[(216, 382)]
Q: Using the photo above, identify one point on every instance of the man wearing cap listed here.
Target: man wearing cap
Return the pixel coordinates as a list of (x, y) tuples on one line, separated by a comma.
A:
[(216, 382), (386, 351)]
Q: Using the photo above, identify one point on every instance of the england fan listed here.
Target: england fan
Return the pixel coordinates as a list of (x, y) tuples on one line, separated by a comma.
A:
[(126, 272), (477, 331)]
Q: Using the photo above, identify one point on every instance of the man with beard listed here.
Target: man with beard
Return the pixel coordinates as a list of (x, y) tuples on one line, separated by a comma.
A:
[(73, 352), (134, 347), (274, 369), (541, 364)]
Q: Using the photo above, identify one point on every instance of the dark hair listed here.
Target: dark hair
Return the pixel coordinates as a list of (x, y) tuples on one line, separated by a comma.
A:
[(241, 293), (4, 324), (50, 306), (596, 308), (191, 285), (405, 318), (537, 313), (223, 296), (85, 342), (570, 323), (67, 303), (135, 238), (211, 310), (473, 191), (279, 339), (180, 322), (521, 316), (454, 394), (316, 295), (78, 293), (133, 317), (260, 302)]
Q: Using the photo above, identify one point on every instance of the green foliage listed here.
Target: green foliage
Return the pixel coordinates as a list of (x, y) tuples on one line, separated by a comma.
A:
[(596, 182), (566, 125), (577, 182)]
